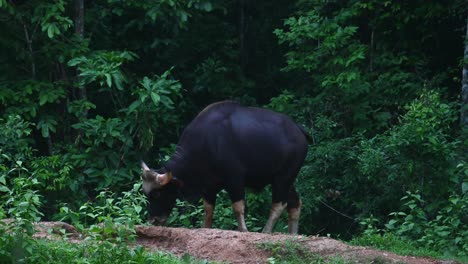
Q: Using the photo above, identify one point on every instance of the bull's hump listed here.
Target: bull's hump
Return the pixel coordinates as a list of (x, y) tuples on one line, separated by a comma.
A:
[(219, 104)]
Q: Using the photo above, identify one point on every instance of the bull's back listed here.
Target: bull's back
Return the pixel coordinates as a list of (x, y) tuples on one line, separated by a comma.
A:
[(254, 141)]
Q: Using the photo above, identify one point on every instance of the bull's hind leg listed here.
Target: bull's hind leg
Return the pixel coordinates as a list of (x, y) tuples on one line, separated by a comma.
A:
[(239, 211), (284, 194), (209, 202), (209, 210), (279, 193), (275, 213), (294, 211)]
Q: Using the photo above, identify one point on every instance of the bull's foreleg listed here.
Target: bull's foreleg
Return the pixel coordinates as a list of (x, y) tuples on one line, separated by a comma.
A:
[(275, 213), (209, 210), (239, 208), (293, 219)]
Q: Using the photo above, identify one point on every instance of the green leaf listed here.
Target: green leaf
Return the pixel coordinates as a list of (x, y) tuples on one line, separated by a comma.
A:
[(207, 6), (45, 130), (108, 79), (118, 80), (138, 208), (156, 98), (134, 106), (42, 99), (465, 187), (443, 233), (52, 30)]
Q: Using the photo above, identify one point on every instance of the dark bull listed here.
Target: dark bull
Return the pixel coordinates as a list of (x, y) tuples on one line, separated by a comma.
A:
[(230, 146)]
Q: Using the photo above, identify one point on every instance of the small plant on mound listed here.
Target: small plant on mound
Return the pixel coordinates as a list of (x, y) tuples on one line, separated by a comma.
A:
[(292, 252), (104, 252)]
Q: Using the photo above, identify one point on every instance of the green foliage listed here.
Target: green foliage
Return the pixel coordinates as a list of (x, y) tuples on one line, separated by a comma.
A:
[(51, 18), (21, 97), (331, 39), (102, 137), (154, 107), (392, 156), (103, 67), (21, 202)]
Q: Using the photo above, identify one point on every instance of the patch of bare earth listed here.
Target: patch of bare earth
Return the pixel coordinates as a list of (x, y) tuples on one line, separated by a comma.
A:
[(237, 247)]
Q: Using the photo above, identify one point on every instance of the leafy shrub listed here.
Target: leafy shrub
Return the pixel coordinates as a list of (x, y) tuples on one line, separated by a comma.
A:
[(445, 232), (110, 217), (101, 163), (20, 202), (415, 155), (14, 141)]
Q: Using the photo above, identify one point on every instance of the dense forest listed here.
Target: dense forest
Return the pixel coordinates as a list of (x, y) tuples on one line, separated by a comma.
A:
[(88, 88)]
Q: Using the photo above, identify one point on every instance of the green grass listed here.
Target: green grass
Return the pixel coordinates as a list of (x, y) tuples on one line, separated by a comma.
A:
[(397, 245), (292, 252), (59, 252)]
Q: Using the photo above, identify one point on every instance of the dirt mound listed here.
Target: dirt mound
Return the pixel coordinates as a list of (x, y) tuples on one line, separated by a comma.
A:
[(237, 247)]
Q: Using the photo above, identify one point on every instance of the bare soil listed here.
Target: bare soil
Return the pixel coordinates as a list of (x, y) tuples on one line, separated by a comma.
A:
[(236, 247)]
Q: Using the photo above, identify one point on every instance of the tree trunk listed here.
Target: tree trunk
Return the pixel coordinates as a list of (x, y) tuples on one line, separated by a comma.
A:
[(79, 31), (371, 54), (29, 42), (242, 30), (79, 18), (464, 103)]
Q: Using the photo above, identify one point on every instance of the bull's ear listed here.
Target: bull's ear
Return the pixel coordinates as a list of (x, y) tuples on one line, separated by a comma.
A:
[(164, 179)]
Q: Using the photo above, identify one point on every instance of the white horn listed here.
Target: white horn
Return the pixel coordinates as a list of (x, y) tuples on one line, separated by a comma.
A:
[(144, 166)]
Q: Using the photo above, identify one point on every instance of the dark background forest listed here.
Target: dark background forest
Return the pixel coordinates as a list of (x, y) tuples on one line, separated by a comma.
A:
[(88, 88)]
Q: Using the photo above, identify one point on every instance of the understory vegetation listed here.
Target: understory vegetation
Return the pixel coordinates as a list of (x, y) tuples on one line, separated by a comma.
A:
[(89, 89)]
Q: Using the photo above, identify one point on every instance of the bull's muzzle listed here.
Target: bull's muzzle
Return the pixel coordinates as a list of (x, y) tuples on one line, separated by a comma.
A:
[(157, 220)]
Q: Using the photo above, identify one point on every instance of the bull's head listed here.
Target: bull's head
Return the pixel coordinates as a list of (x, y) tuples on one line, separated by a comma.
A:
[(161, 190), (152, 180)]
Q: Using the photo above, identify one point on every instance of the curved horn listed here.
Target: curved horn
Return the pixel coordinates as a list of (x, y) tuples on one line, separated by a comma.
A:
[(145, 169), (144, 166)]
